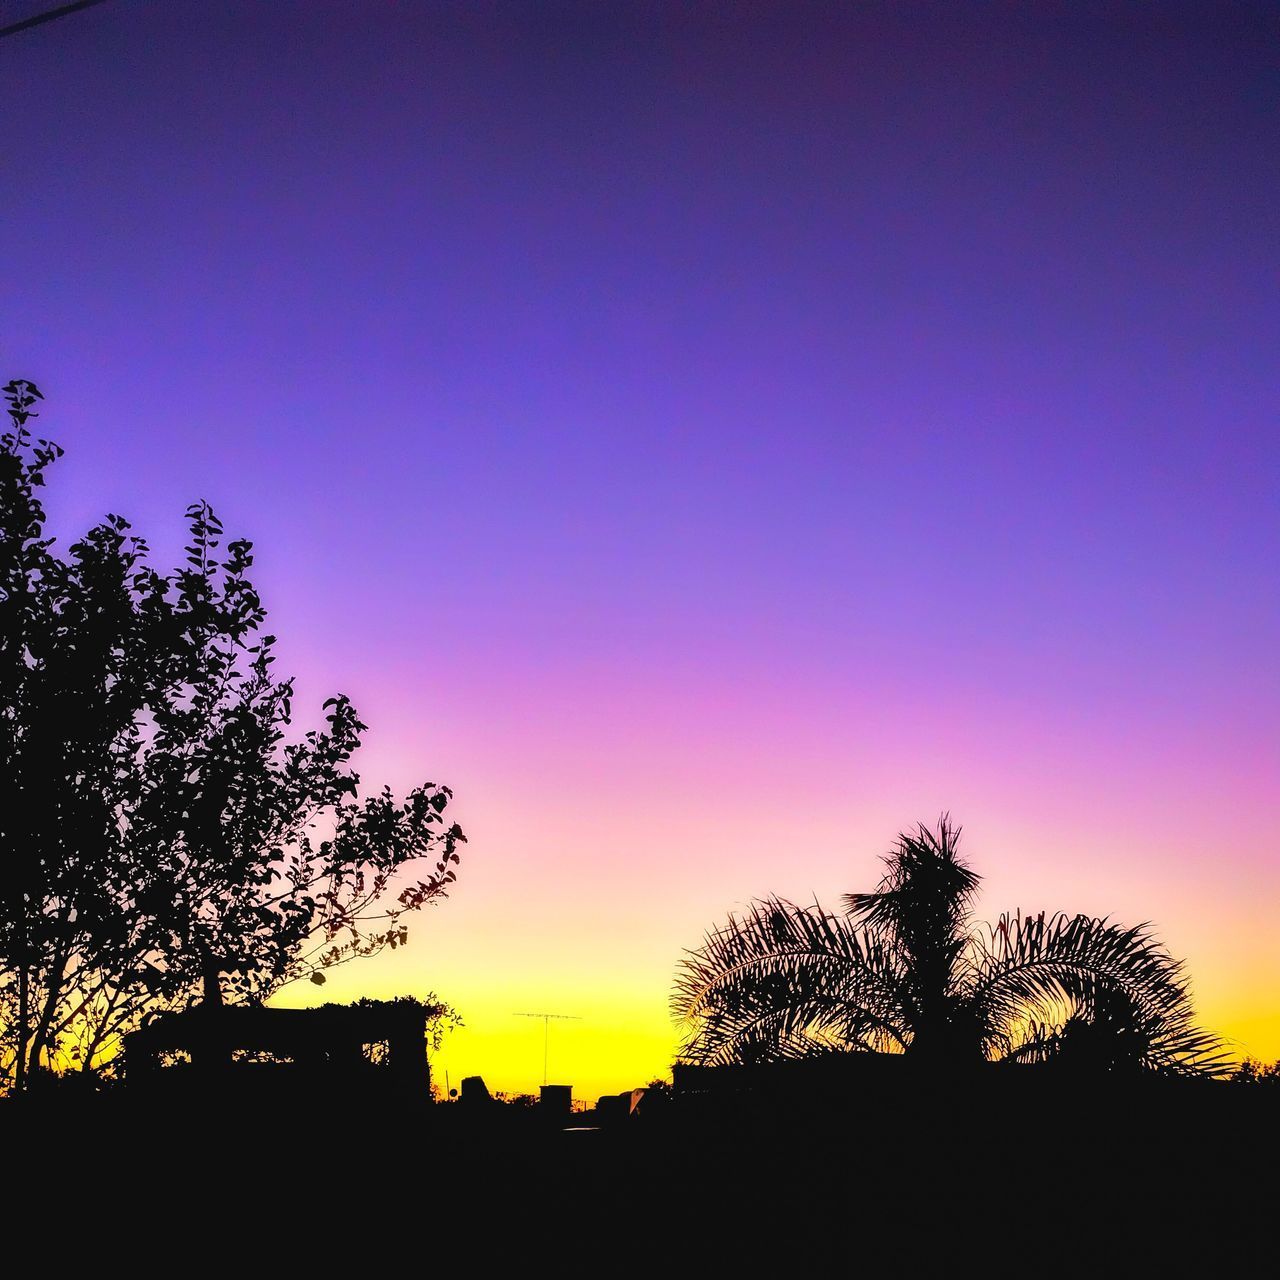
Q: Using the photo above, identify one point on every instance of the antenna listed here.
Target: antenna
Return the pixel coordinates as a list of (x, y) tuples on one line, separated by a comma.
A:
[(546, 1031)]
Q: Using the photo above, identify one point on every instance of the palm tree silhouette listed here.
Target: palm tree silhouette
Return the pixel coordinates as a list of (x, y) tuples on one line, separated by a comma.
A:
[(906, 969)]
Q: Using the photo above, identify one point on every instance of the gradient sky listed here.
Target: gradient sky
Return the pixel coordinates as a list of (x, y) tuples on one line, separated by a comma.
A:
[(710, 438)]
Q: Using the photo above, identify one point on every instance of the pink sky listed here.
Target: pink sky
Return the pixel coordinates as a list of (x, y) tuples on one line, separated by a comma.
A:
[(710, 438)]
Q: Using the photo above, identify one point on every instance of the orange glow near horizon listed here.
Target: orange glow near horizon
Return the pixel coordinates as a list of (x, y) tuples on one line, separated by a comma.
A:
[(708, 438), (585, 910)]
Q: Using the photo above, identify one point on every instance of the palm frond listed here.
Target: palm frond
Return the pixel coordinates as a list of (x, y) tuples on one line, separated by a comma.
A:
[(1043, 983), (906, 968), (785, 981), (924, 898)]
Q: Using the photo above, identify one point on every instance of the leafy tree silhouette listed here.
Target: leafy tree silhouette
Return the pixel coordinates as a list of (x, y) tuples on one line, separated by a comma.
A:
[(162, 841), (1252, 1072), (906, 969)]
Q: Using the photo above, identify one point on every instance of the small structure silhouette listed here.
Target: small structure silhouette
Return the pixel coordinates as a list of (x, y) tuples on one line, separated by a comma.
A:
[(475, 1093), (556, 1100), (383, 1042), (614, 1107)]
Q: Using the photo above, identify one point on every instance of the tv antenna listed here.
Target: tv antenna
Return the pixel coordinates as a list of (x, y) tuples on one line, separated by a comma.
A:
[(546, 1031)]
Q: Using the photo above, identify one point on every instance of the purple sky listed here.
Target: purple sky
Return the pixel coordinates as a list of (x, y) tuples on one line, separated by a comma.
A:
[(850, 410)]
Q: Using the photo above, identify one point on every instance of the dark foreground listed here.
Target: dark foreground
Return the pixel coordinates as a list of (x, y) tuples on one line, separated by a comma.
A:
[(998, 1174)]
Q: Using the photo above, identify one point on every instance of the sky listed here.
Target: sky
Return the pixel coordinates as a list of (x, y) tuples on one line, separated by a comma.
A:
[(710, 438)]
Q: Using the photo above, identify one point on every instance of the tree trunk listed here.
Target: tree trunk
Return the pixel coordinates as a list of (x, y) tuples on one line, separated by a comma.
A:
[(24, 1014), (212, 981), (54, 988), (216, 1055)]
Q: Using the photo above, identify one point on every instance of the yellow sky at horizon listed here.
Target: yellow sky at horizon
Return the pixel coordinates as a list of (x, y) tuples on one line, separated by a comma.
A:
[(621, 1035)]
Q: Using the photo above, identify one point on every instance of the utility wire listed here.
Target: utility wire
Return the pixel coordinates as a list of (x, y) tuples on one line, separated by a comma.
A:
[(48, 16)]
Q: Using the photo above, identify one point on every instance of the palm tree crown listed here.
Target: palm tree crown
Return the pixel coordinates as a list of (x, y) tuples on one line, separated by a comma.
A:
[(907, 969)]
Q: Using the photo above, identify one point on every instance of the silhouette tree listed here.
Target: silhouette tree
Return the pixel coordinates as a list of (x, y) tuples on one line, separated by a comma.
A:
[(906, 969), (1252, 1072), (67, 633), (161, 840)]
